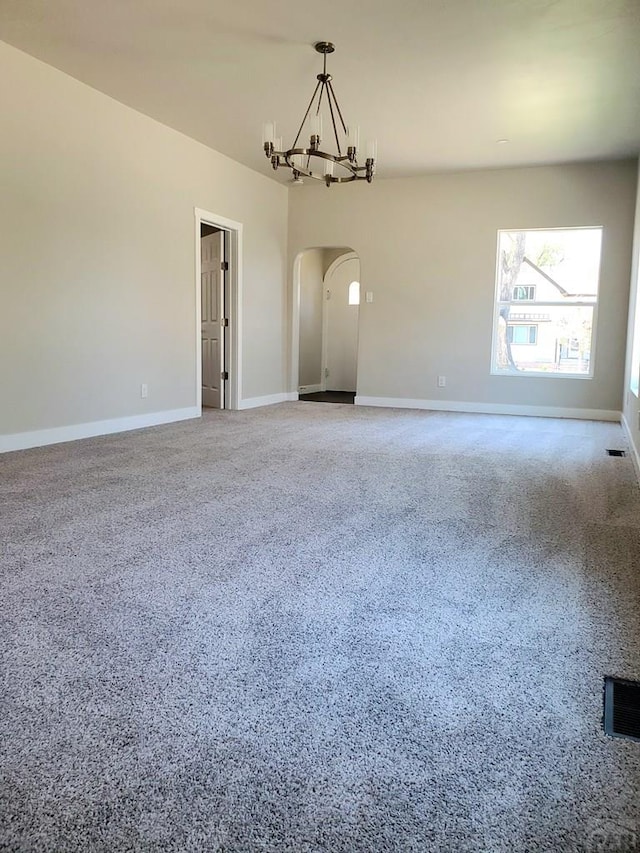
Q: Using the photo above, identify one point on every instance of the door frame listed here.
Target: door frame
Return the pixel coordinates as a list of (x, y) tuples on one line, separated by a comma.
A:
[(233, 309)]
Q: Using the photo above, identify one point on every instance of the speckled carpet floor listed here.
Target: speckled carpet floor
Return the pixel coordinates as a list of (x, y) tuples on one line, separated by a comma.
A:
[(316, 627)]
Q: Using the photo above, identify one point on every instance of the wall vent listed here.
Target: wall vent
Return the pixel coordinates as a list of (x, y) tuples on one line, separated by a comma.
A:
[(622, 708)]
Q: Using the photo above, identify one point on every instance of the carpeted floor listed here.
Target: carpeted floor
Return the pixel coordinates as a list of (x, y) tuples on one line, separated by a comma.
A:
[(319, 628)]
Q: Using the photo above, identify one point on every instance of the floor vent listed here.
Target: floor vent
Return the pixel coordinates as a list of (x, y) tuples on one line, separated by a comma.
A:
[(622, 708), (617, 452)]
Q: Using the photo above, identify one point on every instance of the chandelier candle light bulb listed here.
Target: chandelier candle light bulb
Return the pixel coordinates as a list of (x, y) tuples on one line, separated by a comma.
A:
[(268, 132), (316, 130), (338, 166), (328, 170), (353, 141), (275, 156)]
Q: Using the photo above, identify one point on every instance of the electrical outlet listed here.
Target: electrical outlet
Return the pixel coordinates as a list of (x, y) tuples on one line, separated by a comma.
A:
[(144, 390), (442, 381)]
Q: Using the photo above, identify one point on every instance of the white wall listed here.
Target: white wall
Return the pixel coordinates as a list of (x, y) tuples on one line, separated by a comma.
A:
[(311, 275), (631, 382), (97, 256), (427, 249)]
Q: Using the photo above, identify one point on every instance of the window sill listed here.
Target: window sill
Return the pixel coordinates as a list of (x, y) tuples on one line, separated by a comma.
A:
[(519, 374)]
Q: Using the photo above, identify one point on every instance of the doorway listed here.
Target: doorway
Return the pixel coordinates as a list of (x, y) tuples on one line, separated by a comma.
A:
[(328, 290), (214, 298), (218, 307)]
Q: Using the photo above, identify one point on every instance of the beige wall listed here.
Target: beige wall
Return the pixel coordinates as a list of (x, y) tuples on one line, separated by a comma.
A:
[(427, 248), (311, 275), (632, 404), (97, 255)]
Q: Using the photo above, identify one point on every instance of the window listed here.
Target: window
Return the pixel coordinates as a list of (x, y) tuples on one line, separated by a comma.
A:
[(556, 273), (522, 334), (524, 293), (354, 293)]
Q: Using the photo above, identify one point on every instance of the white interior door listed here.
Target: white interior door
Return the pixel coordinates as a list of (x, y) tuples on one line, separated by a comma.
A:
[(212, 296), (341, 328)]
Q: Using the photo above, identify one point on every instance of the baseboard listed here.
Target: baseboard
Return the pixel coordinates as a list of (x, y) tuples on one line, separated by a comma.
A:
[(57, 435), (268, 400), (490, 408), (634, 450), (310, 389)]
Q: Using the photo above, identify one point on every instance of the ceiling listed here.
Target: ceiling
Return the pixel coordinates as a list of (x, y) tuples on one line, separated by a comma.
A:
[(437, 82)]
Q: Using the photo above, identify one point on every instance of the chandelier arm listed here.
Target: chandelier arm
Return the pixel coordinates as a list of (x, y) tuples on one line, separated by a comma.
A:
[(344, 127), (333, 118), (315, 91)]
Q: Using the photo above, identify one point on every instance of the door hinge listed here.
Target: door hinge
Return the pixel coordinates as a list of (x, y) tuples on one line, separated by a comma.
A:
[(326, 373), (224, 265), (224, 321), (224, 374)]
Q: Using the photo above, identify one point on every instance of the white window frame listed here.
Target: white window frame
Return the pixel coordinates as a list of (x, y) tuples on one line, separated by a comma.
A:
[(634, 374), (578, 303)]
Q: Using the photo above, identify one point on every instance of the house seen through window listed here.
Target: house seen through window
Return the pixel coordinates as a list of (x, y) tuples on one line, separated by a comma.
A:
[(524, 293), (555, 273), (517, 334)]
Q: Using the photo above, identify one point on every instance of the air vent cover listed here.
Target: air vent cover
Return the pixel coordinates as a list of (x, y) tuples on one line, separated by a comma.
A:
[(617, 452), (622, 708)]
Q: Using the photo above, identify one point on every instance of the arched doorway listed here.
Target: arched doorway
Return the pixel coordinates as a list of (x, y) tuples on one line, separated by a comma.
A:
[(327, 282)]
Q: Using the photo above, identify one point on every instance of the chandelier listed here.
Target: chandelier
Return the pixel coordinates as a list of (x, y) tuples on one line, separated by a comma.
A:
[(314, 162)]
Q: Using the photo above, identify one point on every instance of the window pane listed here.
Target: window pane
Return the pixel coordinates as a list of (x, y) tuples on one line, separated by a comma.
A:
[(546, 290), (354, 293), (549, 266), (558, 342)]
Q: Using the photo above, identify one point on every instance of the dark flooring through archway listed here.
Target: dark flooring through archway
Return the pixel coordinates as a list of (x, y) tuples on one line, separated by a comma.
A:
[(329, 397)]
